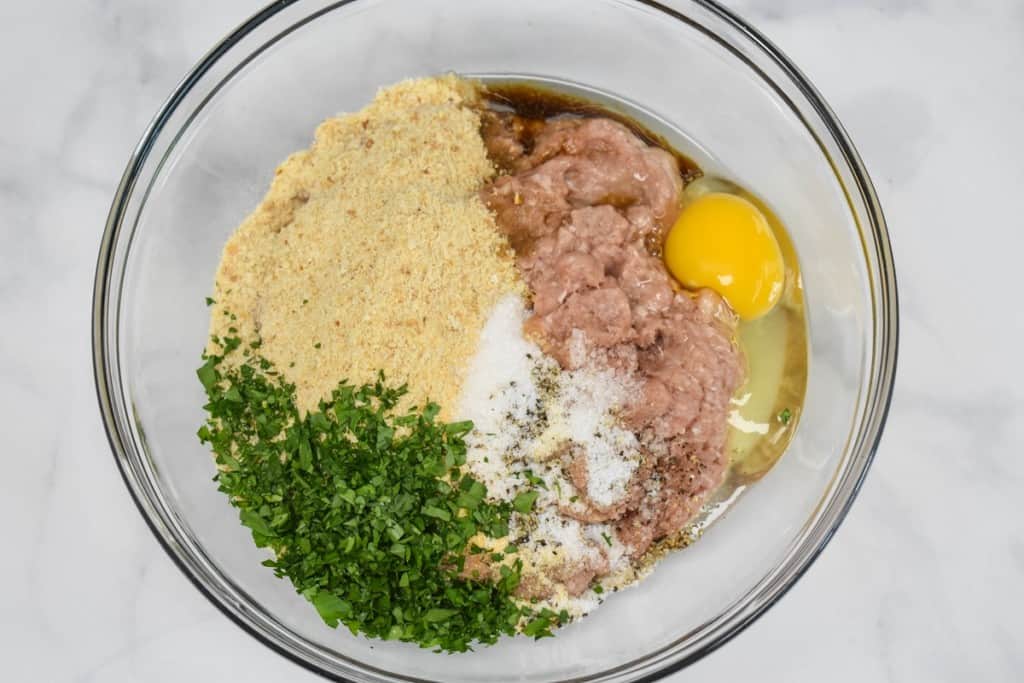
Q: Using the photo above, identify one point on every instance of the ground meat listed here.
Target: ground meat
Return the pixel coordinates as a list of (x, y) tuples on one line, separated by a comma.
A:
[(584, 509), (602, 314), (581, 198), (576, 574), (572, 271), (589, 512), (576, 163)]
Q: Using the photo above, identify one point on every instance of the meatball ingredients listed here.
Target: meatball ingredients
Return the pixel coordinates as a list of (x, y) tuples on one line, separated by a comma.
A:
[(559, 410)]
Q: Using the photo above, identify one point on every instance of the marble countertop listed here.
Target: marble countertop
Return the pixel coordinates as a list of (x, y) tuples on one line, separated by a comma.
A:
[(925, 579)]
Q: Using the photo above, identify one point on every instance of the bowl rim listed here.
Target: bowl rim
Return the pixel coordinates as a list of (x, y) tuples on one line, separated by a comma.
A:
[(883, 354)]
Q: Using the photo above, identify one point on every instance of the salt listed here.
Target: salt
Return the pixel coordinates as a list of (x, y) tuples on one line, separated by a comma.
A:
[(588, 402), (502, 397), (499, 396), (525, 411)]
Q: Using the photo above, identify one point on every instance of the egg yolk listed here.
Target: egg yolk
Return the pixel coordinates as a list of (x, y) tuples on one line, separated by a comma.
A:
[(725, 243)]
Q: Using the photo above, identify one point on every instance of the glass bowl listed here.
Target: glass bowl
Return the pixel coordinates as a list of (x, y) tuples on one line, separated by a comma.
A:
[(208, 157)]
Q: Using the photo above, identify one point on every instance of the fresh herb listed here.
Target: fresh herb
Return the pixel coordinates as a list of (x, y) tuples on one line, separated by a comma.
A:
[(540, 625), (209, 301), (317, 345), (598, 588), (523, 503), (207, 374), (533, 479), (784, 416), (367, 512), (607, 538)]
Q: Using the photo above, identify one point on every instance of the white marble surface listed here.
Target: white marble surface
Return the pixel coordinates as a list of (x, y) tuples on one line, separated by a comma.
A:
[(924, 581)]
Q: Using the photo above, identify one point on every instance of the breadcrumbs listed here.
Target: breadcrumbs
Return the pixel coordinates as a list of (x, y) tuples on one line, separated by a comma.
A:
[(371, 250)]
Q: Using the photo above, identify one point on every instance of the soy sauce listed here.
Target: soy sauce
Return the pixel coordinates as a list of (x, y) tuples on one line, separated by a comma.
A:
[(534, 105)]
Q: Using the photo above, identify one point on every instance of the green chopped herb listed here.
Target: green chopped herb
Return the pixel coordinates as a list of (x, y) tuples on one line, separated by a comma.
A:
[(434, 615), (368, 512), (534, 479), (208, 374), (209, 301), (317, 345), (436, 512), (331, 607), (785, 415), (537, 626), (607, 538), (598, 588), (523, 503)]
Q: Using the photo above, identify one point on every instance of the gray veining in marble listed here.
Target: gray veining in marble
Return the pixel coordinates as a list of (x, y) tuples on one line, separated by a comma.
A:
[(924, 581)]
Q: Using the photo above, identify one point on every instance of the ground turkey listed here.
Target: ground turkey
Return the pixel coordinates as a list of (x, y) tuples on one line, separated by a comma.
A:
[(580, 199)]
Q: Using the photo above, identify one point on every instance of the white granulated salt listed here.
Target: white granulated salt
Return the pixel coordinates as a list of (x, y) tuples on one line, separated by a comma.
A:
[(565, 533), (588, 400), (500, 397), (525, 411)]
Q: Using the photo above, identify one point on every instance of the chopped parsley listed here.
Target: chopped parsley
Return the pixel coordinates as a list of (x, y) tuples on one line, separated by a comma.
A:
[(523, 503), (540, 625), (784, 416), (367, 512), (533, 479)]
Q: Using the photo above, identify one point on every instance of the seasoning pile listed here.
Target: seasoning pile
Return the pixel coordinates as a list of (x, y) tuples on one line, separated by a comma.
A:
[(529, 417)]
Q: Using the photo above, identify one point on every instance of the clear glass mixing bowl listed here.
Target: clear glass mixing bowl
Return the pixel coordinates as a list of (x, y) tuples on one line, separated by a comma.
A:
[(257, 96)]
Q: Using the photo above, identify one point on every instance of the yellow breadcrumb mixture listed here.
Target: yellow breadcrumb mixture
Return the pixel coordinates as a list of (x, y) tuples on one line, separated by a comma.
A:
[(371, 250)]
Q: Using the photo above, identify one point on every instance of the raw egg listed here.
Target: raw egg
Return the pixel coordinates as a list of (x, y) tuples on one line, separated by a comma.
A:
[(724, 242)]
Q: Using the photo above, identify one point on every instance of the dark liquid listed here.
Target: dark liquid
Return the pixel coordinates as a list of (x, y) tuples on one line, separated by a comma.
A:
[(535, 104)]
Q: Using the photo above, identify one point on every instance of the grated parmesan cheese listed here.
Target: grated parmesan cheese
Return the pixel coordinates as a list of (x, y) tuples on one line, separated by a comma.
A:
[(372, 251)]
